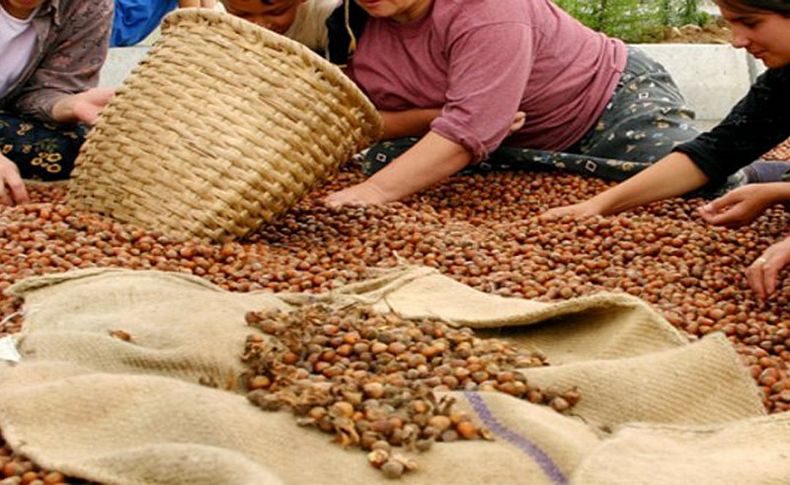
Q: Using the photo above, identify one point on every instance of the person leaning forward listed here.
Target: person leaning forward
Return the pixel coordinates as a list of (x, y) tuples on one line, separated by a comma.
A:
[(451, 76), (759, 122)]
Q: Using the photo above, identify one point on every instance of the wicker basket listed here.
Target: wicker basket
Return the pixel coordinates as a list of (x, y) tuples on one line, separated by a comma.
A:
[(221, 128)]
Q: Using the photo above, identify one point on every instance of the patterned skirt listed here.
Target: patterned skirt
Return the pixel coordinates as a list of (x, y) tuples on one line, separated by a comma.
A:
[(42, 151)]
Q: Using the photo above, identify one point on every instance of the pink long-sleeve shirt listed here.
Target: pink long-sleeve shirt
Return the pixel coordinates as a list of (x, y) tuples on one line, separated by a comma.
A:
[(484, 60)]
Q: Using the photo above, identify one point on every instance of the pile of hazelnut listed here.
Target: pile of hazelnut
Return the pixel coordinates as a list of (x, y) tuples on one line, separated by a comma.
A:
[(379, 381)]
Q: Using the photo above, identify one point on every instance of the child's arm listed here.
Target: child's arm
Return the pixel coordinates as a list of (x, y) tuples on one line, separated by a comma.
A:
[(431, 160)]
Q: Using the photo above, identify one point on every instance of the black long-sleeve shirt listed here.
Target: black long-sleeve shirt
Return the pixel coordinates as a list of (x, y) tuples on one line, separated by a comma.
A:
[(759, 122)]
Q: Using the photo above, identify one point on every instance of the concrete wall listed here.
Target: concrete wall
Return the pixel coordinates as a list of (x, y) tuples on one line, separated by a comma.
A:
[(711, 77), (120, 62)]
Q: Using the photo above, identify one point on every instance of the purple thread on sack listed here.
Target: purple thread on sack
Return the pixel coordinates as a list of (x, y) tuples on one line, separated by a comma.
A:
[(522, 443)]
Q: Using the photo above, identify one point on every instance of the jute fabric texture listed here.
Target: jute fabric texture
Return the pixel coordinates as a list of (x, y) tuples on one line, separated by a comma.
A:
[(223, 126), (104, 409)]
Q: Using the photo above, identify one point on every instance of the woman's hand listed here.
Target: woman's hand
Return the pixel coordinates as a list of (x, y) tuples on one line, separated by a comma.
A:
[(361, 194), (83, 107), (518, 122), (763, 272), (12, 189), (742, 205), (582, 209)]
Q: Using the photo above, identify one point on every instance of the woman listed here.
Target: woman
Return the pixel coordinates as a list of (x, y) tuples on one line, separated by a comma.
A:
[(456, 73), (50, 55), (760, 121)]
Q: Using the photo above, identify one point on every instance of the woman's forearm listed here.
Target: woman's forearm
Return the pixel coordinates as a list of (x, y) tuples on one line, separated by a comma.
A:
[(413, 122), (431, 160), (63, 109), (780, 191), (671, 176)]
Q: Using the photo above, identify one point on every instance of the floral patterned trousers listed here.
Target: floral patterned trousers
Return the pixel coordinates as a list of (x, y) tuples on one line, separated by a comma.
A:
[(644, 120), (42, 151)]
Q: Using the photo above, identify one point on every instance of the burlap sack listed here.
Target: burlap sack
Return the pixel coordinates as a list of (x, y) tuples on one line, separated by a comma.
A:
[(100, 408), (752, 451)]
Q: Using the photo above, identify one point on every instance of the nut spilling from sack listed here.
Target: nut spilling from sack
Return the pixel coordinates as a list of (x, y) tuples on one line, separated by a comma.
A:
[(376, 381)]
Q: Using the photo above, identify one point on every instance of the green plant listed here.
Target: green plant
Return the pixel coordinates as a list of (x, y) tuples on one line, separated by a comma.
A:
[(634, 20)]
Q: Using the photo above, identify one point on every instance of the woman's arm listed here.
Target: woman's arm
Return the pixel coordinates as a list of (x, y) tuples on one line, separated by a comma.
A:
[(83, 107), (417, 122), (673, 175), (756, 124), (413, 122), (431, 160)]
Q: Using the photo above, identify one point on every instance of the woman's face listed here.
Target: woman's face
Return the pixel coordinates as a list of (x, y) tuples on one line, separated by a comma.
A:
[(398, 10), (21, 9), (766, 35)]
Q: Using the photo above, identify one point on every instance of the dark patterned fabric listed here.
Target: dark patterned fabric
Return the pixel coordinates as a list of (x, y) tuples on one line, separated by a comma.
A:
[(645, 119), (42, 151), (759, 122)]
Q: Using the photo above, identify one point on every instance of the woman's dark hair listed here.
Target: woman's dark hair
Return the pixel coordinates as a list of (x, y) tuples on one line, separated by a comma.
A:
[(781, 7)]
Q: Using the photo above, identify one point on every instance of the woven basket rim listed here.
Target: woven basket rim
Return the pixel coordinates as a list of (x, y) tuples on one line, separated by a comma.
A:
[(270, 38)]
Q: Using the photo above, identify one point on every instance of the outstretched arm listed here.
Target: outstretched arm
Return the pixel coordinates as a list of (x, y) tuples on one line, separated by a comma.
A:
[(672, 176), (756, 124), (431, 160)]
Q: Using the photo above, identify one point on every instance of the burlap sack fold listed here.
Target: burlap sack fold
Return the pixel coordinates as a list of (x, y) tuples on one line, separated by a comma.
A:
[(751, 451), (72, 318), (99, 408), (148, 429), (695, 384)]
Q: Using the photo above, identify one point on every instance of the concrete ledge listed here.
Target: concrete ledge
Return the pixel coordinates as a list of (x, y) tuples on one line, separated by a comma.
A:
[(711, 77), (120, 62)]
